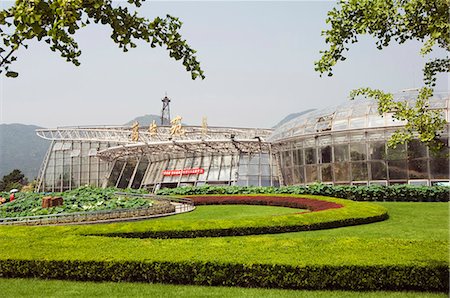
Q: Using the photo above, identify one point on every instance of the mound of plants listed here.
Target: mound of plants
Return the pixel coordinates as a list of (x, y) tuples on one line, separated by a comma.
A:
[(377, 193), (83, 199), (333, 213)]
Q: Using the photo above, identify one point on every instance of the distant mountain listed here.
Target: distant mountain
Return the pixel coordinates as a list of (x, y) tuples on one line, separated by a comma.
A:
[(146, 120), (21, 148), (292, 116)]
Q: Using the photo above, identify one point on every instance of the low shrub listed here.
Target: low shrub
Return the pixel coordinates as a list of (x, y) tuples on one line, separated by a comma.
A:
[(397, 278), (394, 193)]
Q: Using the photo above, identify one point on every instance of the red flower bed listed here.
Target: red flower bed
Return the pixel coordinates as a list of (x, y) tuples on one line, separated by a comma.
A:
[(292, 202)]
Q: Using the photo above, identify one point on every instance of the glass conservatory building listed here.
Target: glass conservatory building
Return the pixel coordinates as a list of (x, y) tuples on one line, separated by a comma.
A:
[(121, 157), (347, 144)]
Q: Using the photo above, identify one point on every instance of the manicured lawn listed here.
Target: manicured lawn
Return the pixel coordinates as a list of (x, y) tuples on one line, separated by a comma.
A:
[(234, 212), (416, 233), (10, 288)]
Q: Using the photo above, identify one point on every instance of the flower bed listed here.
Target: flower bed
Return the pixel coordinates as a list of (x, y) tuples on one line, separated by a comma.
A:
[(283, 201)]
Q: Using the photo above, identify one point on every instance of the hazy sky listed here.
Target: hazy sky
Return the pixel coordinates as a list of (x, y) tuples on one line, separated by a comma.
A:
[(258, 58)]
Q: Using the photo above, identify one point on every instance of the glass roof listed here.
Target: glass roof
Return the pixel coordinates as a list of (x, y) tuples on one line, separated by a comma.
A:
[(354, 114)]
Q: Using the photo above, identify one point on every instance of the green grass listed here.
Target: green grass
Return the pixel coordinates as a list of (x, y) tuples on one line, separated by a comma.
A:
[(205, 221), (52, 288), (233, 212), (416, 233)]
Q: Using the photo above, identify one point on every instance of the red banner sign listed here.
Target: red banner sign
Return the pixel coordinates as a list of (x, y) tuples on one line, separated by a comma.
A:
[(183, 172)]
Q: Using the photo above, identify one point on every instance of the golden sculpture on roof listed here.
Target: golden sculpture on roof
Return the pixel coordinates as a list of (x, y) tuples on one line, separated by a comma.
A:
[(153, 129), (135, 132), (204, 126), (176, 129)]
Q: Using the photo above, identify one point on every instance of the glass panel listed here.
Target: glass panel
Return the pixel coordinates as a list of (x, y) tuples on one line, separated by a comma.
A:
[(254, 159), (253, 169), (196, 162), (340, 124), (286, 159), (342, 114), (443, 153), (340, 139), (375, 121), (311, 174), (439, 168), (325, 154), (341, 153), (357, 123), (398, 169), (243, 159), (265, 170), (225, 173), (298, 176), (213, 174), (358, 151), (376, 136), (93, 171), (92, 152), (396, 153), (418, 168), (298, 157), (287, 176), (359, 110), (359, 171), (142, 167), (188, 163), (323, 141), (253, 181), (416, 149), (357, 138), (341, 171), (125, 179), (243, 170), (377, 150), (57, 146), (327, 173), (265, 182), (310, 155), (378, 170), (264, 159), (115, 173)]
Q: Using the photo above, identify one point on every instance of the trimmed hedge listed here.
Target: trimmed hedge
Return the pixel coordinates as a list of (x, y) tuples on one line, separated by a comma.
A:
[(333, 213), (397, 278), (283, 201), (378, 193)]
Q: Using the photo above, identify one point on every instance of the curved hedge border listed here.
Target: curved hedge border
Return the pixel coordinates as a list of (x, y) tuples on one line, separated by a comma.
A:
[(282, 201), (377, 193), (396, 278), (351, 213)]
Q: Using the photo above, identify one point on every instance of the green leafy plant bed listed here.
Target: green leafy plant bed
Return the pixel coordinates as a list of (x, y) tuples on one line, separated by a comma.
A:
[(399, 193), (325, 213), (83, 199)]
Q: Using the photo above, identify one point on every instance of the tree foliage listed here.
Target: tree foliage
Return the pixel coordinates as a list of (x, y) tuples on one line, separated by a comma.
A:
[(15, 179), (57, 21), (399, 21)]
